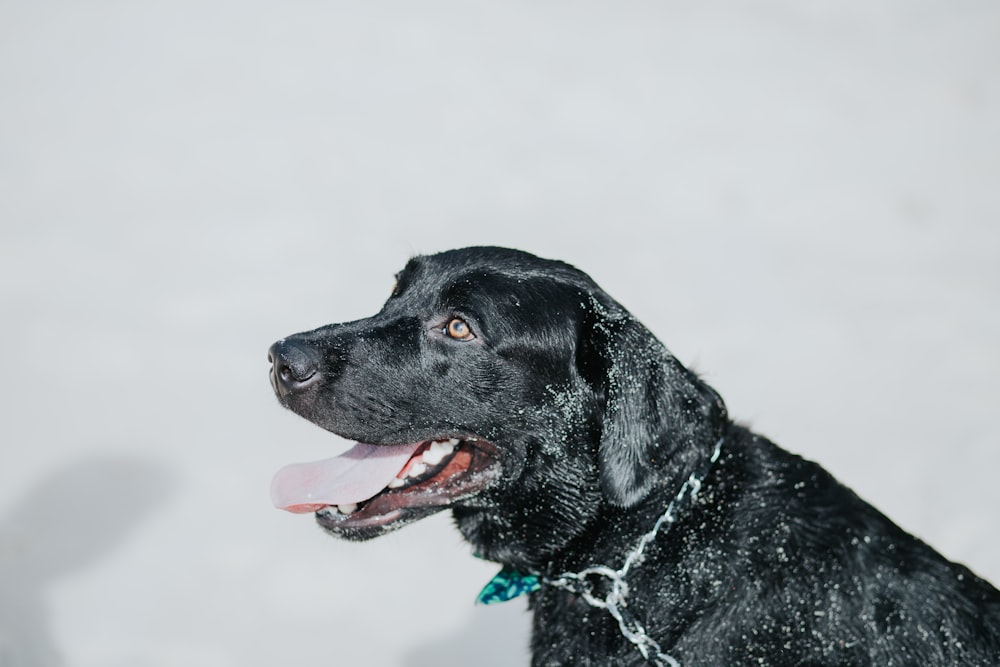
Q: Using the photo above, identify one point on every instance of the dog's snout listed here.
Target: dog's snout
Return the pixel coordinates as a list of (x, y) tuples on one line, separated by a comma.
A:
[(294, 365)]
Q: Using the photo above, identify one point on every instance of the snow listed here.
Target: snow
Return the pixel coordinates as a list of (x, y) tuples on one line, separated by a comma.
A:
[(800, 199)]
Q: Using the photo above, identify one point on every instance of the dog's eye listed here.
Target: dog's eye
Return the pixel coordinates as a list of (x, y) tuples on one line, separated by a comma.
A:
[(458, 329)]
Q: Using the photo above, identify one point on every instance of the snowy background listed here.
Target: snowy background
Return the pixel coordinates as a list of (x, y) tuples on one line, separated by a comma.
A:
[(801, 198)]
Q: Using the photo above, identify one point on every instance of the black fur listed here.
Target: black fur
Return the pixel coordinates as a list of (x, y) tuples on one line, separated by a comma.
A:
[(582, 427)]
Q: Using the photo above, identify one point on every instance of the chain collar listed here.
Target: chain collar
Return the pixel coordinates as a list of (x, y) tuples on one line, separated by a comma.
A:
[(581, 583), (510, 583)]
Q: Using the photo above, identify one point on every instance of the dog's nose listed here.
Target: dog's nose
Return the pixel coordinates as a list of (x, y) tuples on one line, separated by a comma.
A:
[(294, 365)]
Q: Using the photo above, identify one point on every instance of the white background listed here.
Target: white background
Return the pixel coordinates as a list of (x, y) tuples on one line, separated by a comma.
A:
[(800, 198)]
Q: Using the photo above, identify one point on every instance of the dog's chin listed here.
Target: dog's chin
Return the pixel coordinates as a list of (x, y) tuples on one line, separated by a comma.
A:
[(470, 469)]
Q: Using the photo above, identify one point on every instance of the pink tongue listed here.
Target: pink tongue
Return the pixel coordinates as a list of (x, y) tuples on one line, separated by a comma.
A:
[(355, 475)]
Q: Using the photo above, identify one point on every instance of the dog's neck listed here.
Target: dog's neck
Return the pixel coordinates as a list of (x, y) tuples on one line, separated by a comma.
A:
[(606, 557), (578, 532), (620, 548)]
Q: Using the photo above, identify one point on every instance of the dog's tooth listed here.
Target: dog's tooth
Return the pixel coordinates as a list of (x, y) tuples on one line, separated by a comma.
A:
[(446, 447), (434, 454), (347, 508), (416, 470), (396, 483)]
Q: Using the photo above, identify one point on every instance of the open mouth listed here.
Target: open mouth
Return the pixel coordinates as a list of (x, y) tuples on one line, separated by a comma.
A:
[(378, 486)]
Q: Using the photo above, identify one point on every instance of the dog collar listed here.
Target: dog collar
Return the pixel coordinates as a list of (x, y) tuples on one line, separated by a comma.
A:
[(510, 583), (507, 585)]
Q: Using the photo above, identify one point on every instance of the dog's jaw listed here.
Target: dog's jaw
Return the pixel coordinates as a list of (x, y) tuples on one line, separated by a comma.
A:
[(432, 480)]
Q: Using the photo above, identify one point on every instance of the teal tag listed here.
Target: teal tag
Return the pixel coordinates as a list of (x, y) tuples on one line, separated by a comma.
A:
[(507, 585)]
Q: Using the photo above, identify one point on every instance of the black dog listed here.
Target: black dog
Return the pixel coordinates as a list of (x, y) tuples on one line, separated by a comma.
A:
[(607, 479)]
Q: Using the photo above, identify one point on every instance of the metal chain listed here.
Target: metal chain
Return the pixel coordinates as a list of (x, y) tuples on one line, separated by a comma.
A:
[(615, 600)]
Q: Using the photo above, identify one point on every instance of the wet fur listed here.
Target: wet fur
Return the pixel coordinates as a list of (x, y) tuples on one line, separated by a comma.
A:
[(597, 426)]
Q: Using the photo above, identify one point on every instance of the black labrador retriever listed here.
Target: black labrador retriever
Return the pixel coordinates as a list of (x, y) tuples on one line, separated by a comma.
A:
[(572, 448)]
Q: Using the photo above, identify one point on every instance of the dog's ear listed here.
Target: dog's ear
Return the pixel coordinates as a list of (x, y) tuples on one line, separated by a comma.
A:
[(660, 420)]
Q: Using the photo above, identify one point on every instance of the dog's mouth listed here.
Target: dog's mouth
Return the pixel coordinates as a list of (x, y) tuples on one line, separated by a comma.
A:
[(382, 486)]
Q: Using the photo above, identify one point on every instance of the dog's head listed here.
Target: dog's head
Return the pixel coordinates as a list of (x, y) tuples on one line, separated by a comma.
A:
[(506, 387)]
